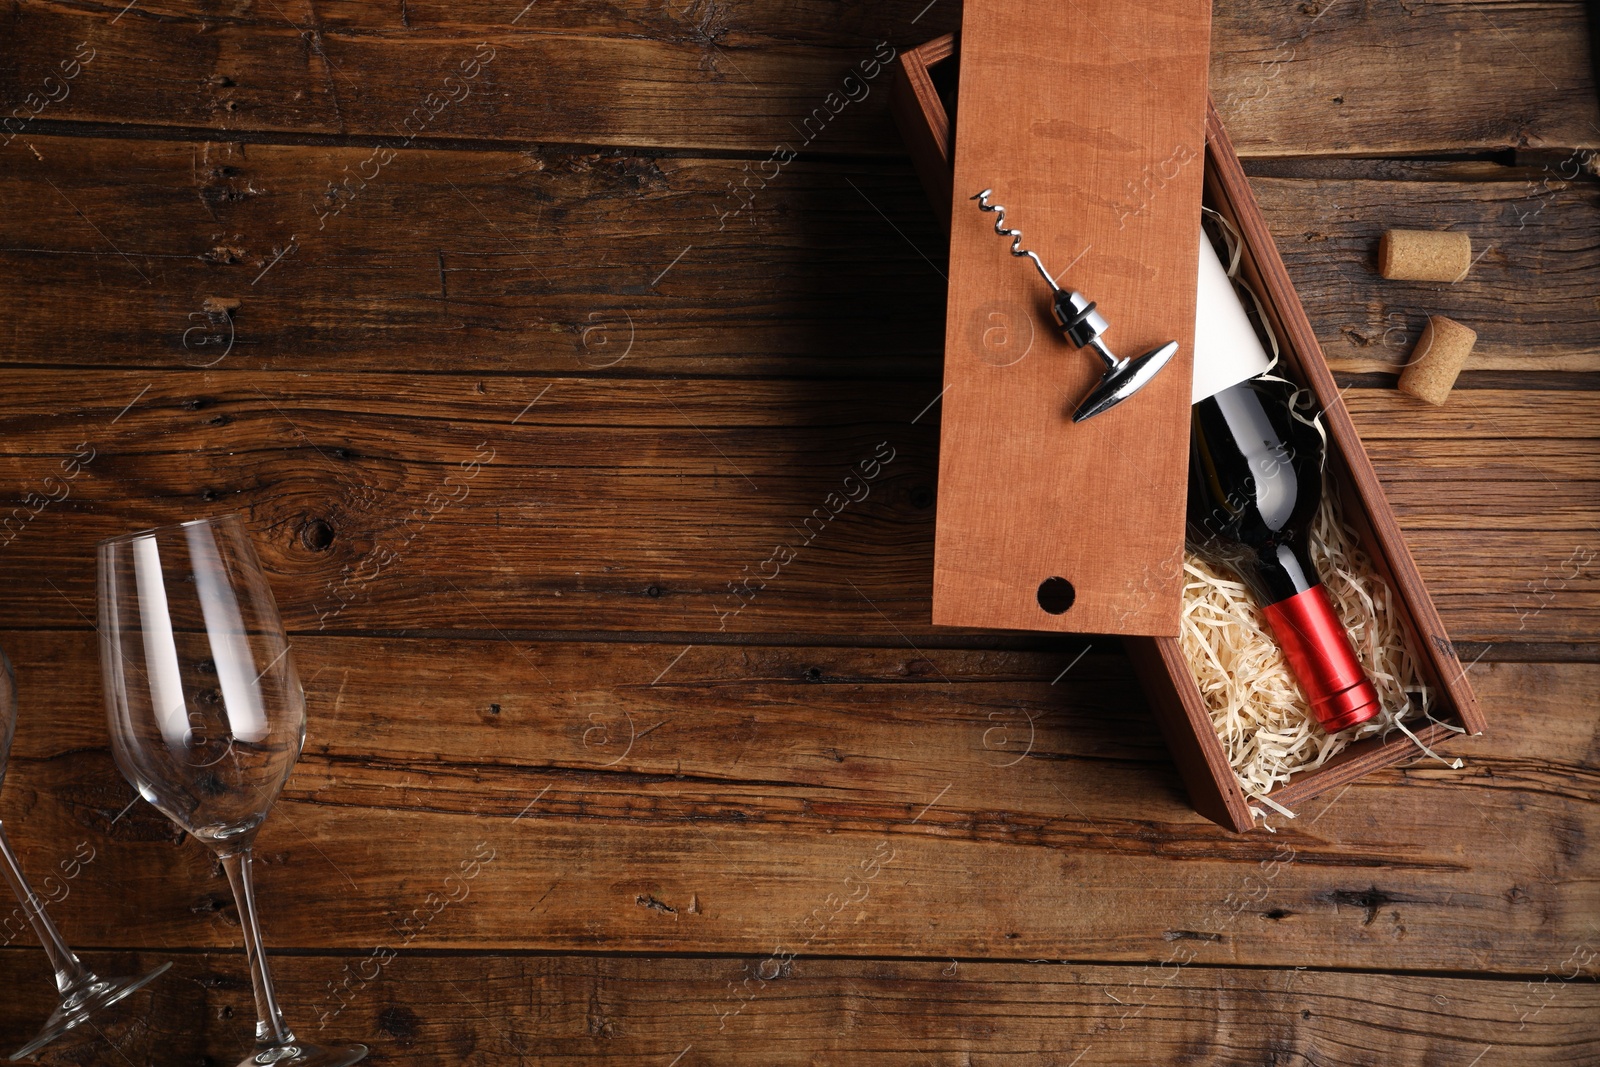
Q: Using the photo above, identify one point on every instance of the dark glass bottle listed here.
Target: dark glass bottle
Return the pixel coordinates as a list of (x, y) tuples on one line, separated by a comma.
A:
[(1255, 483)]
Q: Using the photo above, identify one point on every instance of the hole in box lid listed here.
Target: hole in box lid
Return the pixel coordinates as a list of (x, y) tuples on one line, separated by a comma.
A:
[(1056, 595)]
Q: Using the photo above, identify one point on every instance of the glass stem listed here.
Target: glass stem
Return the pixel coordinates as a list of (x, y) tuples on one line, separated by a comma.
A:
[(271, 1030), (71, 974)]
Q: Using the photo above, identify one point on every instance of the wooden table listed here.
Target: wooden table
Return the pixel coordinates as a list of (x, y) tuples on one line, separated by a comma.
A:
[(306, 262)]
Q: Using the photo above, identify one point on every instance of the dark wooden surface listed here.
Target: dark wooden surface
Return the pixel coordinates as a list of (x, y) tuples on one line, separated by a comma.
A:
[(703, 779)]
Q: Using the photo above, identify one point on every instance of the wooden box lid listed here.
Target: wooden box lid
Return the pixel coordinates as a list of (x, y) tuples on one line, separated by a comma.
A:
[(1088, 121)]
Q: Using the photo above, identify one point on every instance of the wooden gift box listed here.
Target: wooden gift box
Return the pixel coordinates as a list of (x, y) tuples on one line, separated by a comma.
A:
[(924, 83)]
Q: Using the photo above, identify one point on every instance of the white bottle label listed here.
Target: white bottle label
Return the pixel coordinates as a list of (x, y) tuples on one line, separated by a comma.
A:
[(1227, 350)]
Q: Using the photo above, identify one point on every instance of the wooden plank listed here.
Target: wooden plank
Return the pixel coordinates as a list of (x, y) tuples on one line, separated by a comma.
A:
[(1537, 497), (639, 73), (696, 486), (736, 787), (1384, 416), (1292, 80), (1028, 495), (551, 262), (543, 263), (1529, 295), (1347, 71), (591, 1009)]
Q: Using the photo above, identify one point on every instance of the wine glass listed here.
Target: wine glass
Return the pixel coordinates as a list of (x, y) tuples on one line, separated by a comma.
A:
[(83, 993), (206, 711)]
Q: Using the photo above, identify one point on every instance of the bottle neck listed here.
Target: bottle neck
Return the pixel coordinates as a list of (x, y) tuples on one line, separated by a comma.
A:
[(1278, 572)]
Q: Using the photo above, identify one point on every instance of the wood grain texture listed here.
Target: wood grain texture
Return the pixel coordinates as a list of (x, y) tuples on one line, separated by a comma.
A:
[(507, 647), (1532, 281), (1291, 80), (1286, 69), (551, 262), (546, 262), (696, 74), (644, 798), (486, 1010), (1027, 494), (687, 486)]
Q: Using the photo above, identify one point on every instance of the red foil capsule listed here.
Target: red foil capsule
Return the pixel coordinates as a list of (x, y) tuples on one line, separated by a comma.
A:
[(1319, 653)]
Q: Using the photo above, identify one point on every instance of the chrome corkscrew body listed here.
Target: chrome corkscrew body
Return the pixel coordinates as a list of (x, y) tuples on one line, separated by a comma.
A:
[(1083, 325)]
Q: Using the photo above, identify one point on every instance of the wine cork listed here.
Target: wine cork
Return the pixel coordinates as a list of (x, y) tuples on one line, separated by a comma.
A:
[(1437, 359), (1424, 255)]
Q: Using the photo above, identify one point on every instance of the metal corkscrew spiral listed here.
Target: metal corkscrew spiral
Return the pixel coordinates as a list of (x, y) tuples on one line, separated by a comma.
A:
[(1083, 325), (1015, 235)]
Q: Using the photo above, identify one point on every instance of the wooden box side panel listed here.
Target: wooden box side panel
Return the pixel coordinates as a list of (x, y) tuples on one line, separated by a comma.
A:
[(1185, 723), (923, 123), (1026, 494), (1355, 479), (1359, 759)]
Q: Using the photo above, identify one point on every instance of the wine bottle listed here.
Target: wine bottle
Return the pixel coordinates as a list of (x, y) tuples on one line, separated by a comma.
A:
[(1255, 484)]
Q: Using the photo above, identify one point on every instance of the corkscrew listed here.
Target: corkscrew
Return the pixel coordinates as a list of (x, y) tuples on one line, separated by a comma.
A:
[(1083, 325)]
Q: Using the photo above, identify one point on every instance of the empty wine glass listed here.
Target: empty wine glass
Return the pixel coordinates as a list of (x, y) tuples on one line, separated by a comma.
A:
[(207, 714), (83, 993)]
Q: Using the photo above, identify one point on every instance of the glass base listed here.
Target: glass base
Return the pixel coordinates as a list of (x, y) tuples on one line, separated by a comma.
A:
[(81, 1006), (305, 1054)]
